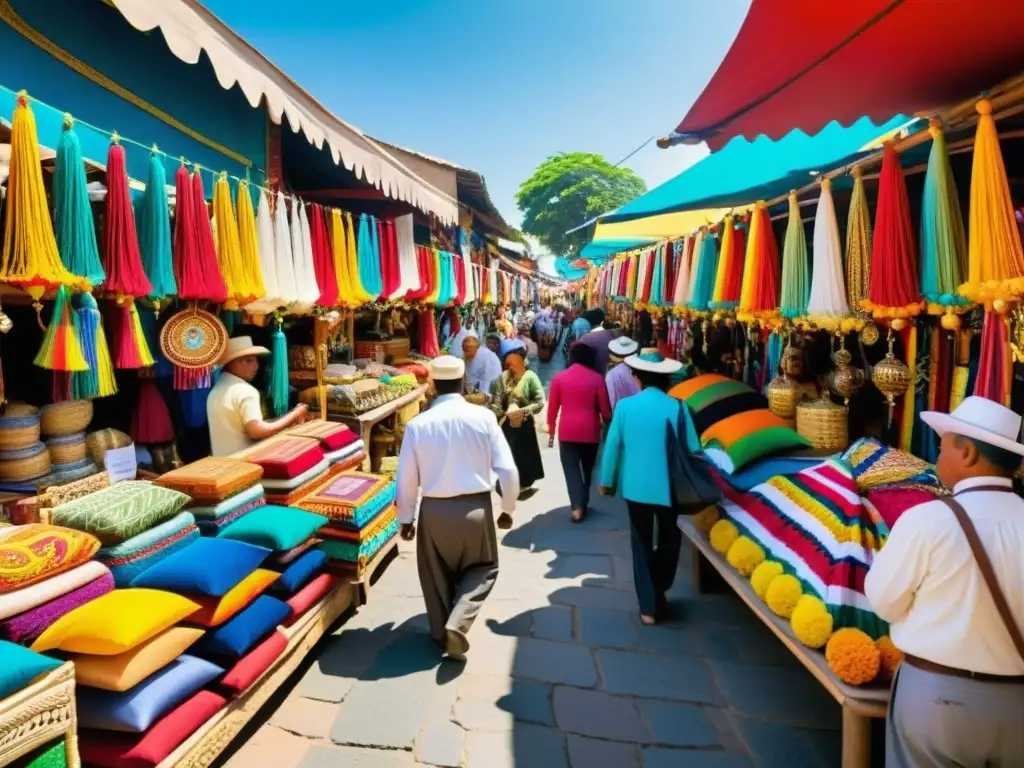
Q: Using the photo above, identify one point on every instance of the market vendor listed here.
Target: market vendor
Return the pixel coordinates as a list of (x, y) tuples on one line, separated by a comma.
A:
[(233, 409), (482, 365), (950, 582)]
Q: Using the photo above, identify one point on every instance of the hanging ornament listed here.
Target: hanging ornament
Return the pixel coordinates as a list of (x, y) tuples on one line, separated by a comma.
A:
[(846, 380), (60, 350), (74, 226), (795, 282), (155, 233), (891, 376), (126, 277), (278, 392), (193, 340), (826, 305), (130, 348), (858, 244)]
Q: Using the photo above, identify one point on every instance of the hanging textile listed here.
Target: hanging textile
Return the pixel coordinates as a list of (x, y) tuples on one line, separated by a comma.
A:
[(369, 257), (73, 222), (826, 306), (858, 244), (195, 277), (460, 280), (943, 240), (466, 248), (353, 260), (683, 275), (706, 270), (729, 274), (154, 227), (97, 380), (122, 261), (795, 280), (323, 259), (391, 276), (347, 295), (995, 369), (213, 287), (284, 260), (238, 277), (759, 293), (407, 264), (265, 245), (698, 255), (302, 257), (249, 242)]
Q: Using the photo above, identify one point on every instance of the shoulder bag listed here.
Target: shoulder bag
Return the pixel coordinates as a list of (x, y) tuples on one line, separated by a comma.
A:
[(690, 486)]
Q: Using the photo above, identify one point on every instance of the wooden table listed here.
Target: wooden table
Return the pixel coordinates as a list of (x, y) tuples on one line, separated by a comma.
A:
[(365, 422), (859, 703)]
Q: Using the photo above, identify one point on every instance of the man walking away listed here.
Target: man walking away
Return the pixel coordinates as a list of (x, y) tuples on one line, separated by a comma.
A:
[(450, 455)]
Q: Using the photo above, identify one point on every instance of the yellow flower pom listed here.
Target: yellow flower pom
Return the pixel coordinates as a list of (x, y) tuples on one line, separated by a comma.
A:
[(811, 622), (745, 555), (782, 594), (890, 658), (852, 655), (763, 575), (723, 534)]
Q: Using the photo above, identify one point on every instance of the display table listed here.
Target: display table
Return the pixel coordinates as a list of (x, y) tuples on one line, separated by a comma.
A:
[(41, 713), (859, 703), (364, 422), (361, 577), (204, 746)]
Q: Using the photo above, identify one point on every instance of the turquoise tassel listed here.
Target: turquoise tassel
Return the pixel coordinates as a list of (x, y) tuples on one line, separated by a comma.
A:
[(658, 279), (772, 359), (707, 268), (278, 394), (796, 285), (369, 256), (73, 222), (943, 242), (154, 225)]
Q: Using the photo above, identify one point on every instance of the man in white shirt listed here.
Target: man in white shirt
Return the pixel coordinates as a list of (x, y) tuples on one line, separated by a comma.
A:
[(482, 366), (450, 454), (233, 411), (958, 699)]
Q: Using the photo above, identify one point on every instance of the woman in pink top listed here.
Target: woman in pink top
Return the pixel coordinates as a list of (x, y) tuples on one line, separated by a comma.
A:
[(580, 394)]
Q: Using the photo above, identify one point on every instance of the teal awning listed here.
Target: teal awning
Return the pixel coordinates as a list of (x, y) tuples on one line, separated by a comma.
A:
[(601, 250), (743, 172)]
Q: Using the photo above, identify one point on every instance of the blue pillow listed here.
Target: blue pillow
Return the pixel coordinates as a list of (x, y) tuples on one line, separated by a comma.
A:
[(143, 704), (205, 567), (19, 666), (299, 572), (239, 635)]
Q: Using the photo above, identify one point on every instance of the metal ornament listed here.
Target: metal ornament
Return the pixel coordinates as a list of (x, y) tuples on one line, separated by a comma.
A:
[(891, 376)]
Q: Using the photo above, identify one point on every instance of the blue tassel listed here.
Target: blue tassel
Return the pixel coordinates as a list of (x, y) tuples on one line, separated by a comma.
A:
[(73, 222), (772, 359), (154, 225), (369, 256), (278, 394)]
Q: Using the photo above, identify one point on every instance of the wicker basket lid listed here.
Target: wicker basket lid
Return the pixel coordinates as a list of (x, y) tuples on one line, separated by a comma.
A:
[(193, 338)]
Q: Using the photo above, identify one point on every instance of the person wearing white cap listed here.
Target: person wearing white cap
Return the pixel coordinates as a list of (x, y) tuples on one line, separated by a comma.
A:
[(233, 409), (950, 582), (620, 380), (450, 455)]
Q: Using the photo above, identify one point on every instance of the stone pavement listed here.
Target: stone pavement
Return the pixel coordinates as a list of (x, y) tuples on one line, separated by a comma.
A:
[(561, 672)]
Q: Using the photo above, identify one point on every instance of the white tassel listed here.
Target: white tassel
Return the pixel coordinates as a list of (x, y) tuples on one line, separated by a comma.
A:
[(828, 292), (268, 261), (283, 239)]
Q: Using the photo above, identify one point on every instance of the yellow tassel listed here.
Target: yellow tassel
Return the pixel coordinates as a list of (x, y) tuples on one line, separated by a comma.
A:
[(229, 248), (30, 257), (106, 381), (909, 399), (359, 294), (145, 356), (248, 241)]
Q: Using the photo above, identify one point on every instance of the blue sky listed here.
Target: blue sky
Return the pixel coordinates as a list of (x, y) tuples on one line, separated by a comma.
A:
[(498, 85)]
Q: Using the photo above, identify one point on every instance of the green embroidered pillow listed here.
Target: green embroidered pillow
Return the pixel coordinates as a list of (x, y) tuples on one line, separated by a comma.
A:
[(121, 511)]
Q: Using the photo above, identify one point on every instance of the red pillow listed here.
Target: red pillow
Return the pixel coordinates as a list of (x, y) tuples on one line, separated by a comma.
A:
[(249, 668), (310, 595), (111, 749), (287, 457)]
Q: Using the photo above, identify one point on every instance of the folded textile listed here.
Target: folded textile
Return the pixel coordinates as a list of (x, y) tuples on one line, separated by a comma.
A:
[(26, 627), (27, 598), (218, 524), (285, 457), (133, 556), (361, 553), (340, 530), (228, 505), (353, 497), (331, 434), (291, 498), (346, 452), (291, 483), (211, 480)]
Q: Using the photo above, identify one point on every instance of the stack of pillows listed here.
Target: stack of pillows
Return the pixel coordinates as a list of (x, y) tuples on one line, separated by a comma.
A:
[(295, 464), (221, 491), (362, 518)]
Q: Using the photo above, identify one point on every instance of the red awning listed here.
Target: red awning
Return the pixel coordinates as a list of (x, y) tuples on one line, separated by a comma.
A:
[(804, 63)]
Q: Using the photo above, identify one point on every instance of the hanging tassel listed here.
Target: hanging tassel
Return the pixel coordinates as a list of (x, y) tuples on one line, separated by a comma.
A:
[(795, 282), (151, 420), (943, 241), (354, 266), (74, 227), (195, 264), (706, 271), (759, 293), (30, 257), (283, 252), (858, 244), (238, 275), (682, 277), (130, 348), (826, 305), (729, 274), (60, 350), (122, 260), (248, 241), (894, 289), (162, 367), (278, 393), (994, 369), (98, 380), (155, 232), (995, 258), (265, 248), (323, 260)]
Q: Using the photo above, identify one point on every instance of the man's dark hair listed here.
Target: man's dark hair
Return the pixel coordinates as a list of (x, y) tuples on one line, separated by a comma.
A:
[(1007, 461), (582, 354), (520, 351), (610, 325), (651, 380), (448, 386)]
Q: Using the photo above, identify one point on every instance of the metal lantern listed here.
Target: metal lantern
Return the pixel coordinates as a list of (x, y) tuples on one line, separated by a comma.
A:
[(891, 376), (846, 380)]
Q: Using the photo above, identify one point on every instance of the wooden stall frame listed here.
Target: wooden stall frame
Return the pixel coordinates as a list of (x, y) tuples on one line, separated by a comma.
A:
[(363, 582), (859, 704), (364, 423), (40, 713)]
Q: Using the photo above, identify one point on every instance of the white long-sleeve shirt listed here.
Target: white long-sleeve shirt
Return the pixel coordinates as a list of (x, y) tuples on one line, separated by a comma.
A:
[(454, 449), (927, 585), (482, 370)]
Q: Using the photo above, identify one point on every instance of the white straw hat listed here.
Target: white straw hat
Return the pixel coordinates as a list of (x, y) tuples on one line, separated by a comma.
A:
[(653, 362), (979, 419), (241, 346), (447, 368)]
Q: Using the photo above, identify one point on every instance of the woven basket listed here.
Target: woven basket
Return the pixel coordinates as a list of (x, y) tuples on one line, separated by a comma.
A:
[(302, 358), (66, 418), (824, 424), (391, 349), (19, 427), (24, 463), (103, 440), (67, 449)]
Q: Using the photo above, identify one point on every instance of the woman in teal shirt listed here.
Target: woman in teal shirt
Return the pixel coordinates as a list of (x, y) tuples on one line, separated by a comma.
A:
[(635, 465)]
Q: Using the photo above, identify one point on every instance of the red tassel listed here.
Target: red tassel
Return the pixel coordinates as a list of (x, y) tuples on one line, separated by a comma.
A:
[(390, 270), (195, 259), (734, 277), (61, 389), (130, 350), (121, 258), (151, 421), (994, 368), (428, 334), (460, 281), (189, 379), (323, 259)]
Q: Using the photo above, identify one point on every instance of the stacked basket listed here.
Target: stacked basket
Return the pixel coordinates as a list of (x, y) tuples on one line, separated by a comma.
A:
[(23, 458)]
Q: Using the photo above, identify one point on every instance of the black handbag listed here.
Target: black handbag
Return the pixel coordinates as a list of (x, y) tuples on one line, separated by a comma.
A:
[(690, 486)]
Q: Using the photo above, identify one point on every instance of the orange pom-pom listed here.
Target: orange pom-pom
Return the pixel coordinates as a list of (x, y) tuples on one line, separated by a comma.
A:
[(852, 655), (890, 658)]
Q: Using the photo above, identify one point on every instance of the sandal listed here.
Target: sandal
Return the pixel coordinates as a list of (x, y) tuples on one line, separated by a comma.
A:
[(578, 515), (648, 620)]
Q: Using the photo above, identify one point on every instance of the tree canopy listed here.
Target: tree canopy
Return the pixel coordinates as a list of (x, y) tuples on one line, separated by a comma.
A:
[(568, 189)]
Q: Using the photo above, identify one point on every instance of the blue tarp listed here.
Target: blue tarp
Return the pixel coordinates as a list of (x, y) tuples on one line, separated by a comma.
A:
[(743, 172), (601, 250)]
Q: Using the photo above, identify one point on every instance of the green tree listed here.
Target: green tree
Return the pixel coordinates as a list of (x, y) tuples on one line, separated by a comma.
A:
[(568, 189)]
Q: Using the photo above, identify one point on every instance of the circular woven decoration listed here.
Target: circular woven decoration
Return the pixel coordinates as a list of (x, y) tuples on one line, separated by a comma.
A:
[(193, 338)]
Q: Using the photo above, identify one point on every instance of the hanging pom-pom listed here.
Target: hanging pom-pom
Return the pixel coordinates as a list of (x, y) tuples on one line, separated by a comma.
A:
[(943, 241), (237, 275), (60, 350), (155, 232), (130, 348), (248, 240), (278, 393), (995, 258), (72, 214), (894, 290), (827, 305), (121, 259), (30, 257), (858, 244), (795, 283), (323, 259), (98, 380)]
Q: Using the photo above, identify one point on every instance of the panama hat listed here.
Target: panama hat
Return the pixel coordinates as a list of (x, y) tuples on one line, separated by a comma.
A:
[(653, 362), (240, 346), (623, 346), (979, 419)]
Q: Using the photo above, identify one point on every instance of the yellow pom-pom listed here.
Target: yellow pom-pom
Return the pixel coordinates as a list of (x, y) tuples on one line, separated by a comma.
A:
[(723, 534), (852, 655), (763, 575), (745, 555), (811, 622), (782, 594), (890, 658)]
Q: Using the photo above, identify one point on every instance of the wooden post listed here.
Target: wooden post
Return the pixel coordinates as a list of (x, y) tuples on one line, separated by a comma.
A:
[(856, 739)]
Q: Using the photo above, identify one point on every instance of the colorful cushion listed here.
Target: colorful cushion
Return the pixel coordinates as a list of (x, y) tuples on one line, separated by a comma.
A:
[(353, 497), (343, 454), (52, 755), (331, 434), (213, 527), (746, 437), (240, 634), (359, 553), (206, 567), (273, 527), (110, 749), (137, 709), (687, 389), (250, 668), (26, 627), (285, 457), (291, 498), (32, 553), (130, 558), (20, 666), (27, 598), (284, 559), (121, 511), (128, 669), (309, 596), (299, 572), (116, 622), (211, 480), (215, 611), (228, 505), (712, 398), (270, 484)]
